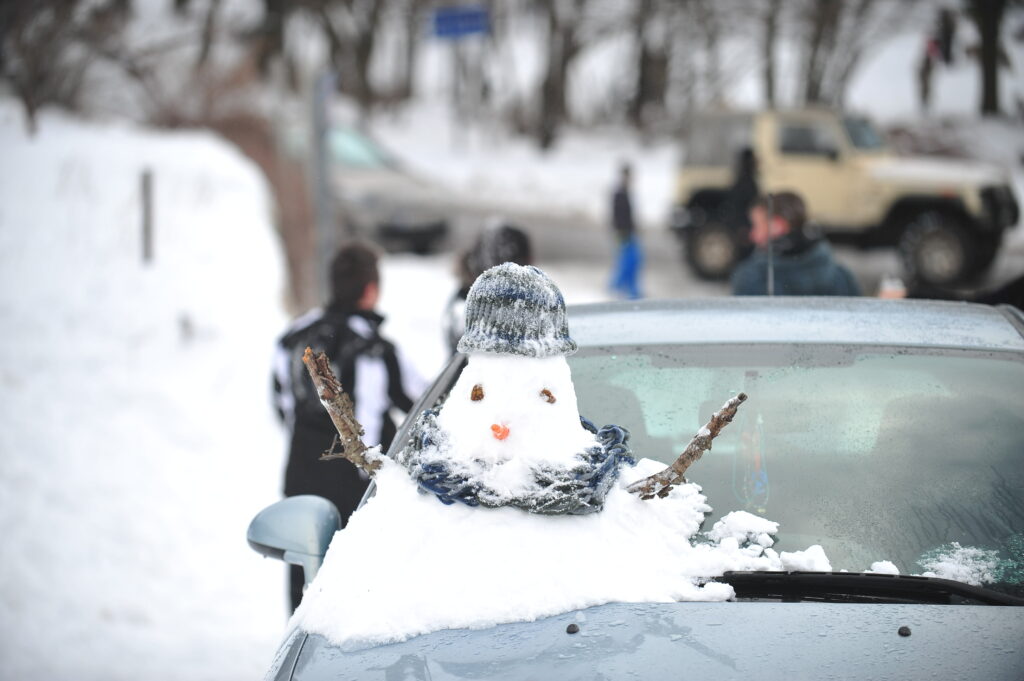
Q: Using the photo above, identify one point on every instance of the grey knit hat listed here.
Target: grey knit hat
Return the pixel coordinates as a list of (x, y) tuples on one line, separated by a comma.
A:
[(516, 310)]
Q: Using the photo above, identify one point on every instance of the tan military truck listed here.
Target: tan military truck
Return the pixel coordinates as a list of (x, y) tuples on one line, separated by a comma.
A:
[(946, 216)]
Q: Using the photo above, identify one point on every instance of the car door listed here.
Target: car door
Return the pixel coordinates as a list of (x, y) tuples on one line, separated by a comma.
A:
[(809, 157)]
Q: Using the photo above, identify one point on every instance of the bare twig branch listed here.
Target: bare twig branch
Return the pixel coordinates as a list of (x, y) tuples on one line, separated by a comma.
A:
[(660, 484), (339, 406)]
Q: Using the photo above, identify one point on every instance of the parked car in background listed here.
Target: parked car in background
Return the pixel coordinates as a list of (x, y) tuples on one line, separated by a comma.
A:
[(946, 216), (374, 195), (876, 429), (378, 196)]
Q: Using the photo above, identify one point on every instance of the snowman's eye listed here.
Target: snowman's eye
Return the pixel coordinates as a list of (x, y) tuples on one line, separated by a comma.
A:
[(478, 393), (546, 394)]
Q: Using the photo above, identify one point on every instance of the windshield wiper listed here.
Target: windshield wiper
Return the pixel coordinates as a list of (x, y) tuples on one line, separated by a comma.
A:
[(861, 587)]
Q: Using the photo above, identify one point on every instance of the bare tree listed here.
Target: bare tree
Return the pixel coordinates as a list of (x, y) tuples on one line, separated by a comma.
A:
[(988, 16), (836, 34), (48, 46), (650, 27)]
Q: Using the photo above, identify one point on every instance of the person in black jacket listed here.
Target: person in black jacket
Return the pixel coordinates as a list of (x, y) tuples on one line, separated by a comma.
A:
[(791, 258), (370, 370)]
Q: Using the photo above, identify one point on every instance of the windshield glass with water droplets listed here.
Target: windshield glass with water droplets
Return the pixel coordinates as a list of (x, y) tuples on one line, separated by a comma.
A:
[(908, 456)]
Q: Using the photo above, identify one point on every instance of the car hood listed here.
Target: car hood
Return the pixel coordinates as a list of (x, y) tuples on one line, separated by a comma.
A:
[(929, 171), (732, 640)]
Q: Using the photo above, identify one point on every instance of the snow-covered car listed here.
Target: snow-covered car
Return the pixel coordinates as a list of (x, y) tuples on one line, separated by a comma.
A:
[(887, 435)]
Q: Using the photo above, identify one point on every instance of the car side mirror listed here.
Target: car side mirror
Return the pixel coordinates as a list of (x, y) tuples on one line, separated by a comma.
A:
[(297, 530)]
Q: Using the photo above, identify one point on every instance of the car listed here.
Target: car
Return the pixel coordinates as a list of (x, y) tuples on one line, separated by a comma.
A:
[(374, 195), (945, 216), (873, 428), (378, 196)]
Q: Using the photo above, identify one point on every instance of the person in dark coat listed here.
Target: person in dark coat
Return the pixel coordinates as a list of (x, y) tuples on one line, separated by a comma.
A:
[(629, 259), (370, 370), (790, 258), (498, 243), (742, 194)]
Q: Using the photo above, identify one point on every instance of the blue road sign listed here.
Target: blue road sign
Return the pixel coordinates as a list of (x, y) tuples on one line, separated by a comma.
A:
[(460, 20)]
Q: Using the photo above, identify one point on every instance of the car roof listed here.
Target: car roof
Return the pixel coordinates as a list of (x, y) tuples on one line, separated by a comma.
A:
[(843, 321)]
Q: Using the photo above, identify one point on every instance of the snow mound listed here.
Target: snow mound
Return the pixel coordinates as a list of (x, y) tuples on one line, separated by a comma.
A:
[(884, 567), (455, 566), (962, 563), (744, 527), (126, 494)]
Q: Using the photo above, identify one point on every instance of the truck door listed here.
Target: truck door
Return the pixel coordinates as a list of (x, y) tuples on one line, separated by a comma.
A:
[(808, 158)]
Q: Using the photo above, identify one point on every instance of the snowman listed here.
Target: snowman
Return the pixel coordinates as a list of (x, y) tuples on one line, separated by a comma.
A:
[(510, 432)]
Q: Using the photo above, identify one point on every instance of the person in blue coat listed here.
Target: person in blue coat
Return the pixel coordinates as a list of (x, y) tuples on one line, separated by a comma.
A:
[(790, 258)]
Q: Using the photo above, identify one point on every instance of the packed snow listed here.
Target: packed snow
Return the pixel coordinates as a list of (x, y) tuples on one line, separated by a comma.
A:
[(457, 566), (962, 563)]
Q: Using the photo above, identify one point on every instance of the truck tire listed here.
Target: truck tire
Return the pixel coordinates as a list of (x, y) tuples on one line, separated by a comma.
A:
[(986, 252), (936, 249), (711, 251)]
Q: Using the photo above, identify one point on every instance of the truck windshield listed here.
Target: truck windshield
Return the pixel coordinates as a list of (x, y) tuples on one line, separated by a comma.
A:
[(908, 455), (862, 133)]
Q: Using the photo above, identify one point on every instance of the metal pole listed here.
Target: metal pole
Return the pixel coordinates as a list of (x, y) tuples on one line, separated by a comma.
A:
[(771, 249), (326, 228), (146, 192)]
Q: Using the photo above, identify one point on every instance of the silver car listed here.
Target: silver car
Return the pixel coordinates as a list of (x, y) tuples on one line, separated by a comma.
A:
[(873, 428)]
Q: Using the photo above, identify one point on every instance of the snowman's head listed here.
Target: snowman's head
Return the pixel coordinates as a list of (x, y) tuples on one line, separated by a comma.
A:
[(506, 408), (514, 406)]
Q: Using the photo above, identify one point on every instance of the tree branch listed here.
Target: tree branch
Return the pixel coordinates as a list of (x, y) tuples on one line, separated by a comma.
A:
[(339, 406), (660, 484)]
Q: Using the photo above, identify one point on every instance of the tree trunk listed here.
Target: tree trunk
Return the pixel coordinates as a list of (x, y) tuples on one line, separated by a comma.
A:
[(562, 49), (771, 26), (824, 18)]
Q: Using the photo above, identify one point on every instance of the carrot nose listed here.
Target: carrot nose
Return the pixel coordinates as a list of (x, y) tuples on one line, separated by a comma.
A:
[(500, 431)]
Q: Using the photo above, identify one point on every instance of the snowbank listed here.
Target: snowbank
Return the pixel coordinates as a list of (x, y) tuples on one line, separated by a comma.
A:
[(137, 435)]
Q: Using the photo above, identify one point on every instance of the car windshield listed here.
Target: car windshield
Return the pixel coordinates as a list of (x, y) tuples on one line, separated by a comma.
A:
[(863, 134), (911, 456)]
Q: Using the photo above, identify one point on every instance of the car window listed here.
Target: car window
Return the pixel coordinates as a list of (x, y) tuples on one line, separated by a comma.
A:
[(716, 141), (351, 149), (874, 454), (807, 138), (862, 134)]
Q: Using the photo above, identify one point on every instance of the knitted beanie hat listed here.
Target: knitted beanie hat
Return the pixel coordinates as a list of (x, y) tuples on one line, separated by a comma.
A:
[(516, 310)]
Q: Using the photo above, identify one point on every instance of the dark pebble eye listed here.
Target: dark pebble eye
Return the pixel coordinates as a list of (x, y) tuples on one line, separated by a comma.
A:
[(546, 394), (478, 393)]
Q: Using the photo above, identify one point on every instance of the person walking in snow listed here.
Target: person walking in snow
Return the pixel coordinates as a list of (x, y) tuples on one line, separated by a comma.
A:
[(790, 259), (370, 369), (629, 259)]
